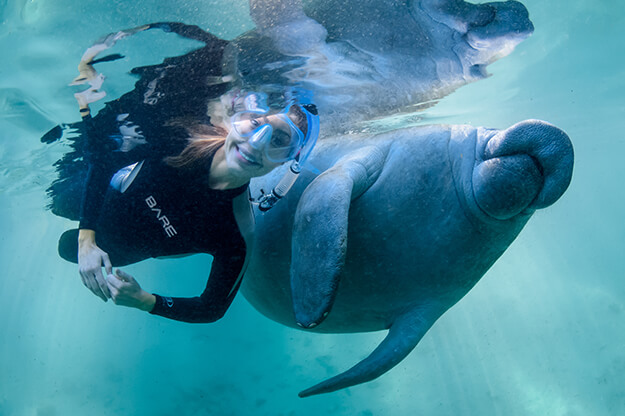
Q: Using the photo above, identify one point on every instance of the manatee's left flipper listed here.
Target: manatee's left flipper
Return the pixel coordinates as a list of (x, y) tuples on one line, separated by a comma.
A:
[(403, 336), (320, 232), (284, 21)]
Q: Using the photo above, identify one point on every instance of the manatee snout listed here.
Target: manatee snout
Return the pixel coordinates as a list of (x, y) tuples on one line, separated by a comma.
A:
[(508, 25), (526, 167)]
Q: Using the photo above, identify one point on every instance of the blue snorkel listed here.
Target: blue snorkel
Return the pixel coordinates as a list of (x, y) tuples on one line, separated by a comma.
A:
[(267, 200)]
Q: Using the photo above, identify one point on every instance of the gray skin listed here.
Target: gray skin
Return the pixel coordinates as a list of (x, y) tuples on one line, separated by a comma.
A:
[(368, 59), (397, 228)]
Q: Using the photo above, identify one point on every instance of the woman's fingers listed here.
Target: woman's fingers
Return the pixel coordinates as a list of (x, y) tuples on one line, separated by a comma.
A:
[(101, 283), (124, 289), (114, 282), (91, 259), (90, 281), (95, 281), (124, 276), (107, 263), (86, 282), (115, 286)]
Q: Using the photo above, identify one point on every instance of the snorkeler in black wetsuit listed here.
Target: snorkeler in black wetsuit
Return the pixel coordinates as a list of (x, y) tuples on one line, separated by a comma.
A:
[(164, 212), (185, 191)]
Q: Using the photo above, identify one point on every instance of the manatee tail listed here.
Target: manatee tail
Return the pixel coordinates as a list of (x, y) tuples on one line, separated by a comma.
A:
[(403, 336)]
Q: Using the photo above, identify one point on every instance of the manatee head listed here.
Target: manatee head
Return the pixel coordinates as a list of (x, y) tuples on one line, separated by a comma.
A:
[(374, 58), (489, 31), (515, 171)]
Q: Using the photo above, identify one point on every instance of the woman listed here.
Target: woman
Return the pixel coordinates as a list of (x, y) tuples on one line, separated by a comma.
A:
[(183, 183), (193, 202)]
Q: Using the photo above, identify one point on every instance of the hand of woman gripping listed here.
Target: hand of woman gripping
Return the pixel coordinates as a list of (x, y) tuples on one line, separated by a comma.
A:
[(91, 258), (126, 291)]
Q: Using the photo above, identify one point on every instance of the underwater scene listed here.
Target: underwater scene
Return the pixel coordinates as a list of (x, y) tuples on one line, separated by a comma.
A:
[(415, 105)]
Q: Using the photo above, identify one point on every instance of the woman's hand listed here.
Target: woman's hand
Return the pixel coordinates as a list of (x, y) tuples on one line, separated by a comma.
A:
[(126, 291), (91, 258)]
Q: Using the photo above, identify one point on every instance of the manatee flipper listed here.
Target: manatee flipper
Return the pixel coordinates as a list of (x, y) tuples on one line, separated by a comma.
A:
[(320, 232), (403, 336)]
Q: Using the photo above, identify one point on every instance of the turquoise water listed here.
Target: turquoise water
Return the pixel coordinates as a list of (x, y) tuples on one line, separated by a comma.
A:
[(541, 334)]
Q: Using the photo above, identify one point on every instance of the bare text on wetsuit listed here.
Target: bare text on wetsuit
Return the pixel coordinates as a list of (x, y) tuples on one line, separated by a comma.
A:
[(169, 229)]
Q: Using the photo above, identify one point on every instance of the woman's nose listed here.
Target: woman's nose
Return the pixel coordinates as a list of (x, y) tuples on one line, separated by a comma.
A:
[(260, 139)]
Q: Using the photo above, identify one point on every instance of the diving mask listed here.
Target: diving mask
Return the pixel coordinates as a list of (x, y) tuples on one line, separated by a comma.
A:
[(279, 138), (275, 135)]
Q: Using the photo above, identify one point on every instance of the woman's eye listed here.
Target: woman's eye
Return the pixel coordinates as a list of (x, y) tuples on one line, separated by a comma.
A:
[(280, 140)]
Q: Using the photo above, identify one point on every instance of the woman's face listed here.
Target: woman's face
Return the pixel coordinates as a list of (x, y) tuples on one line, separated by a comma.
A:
[(246, 160)]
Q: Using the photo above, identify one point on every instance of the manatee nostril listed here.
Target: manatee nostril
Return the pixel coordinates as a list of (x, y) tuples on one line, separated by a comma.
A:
[(481, 15), (548, 147), (501, 26), (538, 165), (505, 186), (478, 71)]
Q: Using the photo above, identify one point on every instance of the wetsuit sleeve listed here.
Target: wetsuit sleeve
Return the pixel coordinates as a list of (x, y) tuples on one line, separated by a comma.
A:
[(101, 169), (223, 284)]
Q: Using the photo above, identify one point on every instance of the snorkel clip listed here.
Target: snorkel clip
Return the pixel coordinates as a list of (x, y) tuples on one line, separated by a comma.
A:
[(266, 201)]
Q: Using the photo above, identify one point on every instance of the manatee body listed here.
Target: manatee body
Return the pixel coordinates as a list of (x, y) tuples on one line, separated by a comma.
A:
[(370, 58), (397, 228)]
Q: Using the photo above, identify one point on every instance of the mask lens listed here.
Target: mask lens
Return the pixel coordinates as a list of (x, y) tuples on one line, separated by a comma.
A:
[(279, 142), (280, 147), (289, 143), (246, 123)]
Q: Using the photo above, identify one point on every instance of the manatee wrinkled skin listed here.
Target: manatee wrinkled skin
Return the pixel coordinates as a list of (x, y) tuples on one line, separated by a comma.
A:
[(372, 58), (397, 228)]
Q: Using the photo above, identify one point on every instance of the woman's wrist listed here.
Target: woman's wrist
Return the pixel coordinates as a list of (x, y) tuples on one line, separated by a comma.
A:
[(148, 301), (86, 236)]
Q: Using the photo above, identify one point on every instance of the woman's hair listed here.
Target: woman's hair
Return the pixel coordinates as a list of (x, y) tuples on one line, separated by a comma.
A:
[(299, 118), (203, 142)]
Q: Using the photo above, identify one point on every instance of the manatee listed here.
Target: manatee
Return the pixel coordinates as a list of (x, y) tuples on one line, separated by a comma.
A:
[(397, 228), (373, 58)]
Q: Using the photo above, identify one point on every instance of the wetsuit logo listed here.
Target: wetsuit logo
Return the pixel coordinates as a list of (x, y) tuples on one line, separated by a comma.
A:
[(169, 229)]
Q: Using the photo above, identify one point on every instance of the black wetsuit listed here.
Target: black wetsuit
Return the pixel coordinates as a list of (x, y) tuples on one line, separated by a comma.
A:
[(165, 211)]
